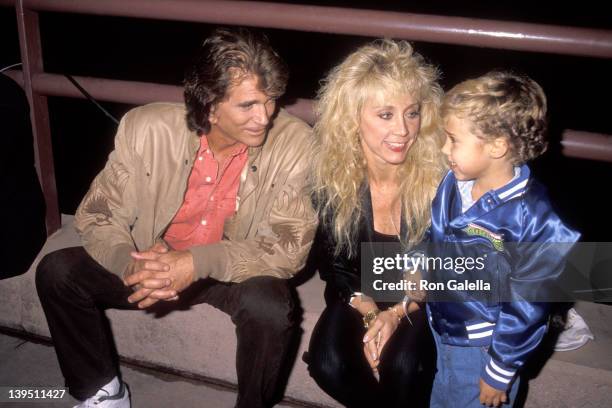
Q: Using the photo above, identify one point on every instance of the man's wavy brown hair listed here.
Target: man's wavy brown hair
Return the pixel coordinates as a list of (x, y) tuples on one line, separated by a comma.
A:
[(223, 60)]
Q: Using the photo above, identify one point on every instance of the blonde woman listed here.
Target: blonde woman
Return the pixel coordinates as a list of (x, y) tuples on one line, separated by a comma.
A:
[(378, 167)]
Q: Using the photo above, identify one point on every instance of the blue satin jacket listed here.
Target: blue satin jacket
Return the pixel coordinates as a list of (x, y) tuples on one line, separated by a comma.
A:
[(517, 233)]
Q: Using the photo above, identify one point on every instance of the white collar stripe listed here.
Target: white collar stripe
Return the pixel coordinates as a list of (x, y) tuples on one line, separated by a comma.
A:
[(512, 190), (479, 326), (520, 193), (480, 335)]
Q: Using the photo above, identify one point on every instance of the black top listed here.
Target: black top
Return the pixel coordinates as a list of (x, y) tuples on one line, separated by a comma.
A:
[(343, 273), (380, 237)]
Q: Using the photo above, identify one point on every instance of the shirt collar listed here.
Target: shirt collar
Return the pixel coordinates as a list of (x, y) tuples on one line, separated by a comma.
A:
[(238, 149)]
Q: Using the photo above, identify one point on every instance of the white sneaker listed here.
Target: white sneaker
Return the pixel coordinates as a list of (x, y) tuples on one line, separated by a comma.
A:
[(102, 399), (575, 333)]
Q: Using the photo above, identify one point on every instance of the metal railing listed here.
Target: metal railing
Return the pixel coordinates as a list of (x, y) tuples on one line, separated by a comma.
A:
[(416, 27)]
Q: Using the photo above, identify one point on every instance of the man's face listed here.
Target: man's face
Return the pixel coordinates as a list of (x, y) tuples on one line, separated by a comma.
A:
[(242, 117)]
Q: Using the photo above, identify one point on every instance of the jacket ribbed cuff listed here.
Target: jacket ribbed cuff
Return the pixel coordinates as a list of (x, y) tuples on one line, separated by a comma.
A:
[(211, 261), (120, 259), (498, 375)]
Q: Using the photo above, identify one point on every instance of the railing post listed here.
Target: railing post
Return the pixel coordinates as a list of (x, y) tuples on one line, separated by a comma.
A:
[(31, 57)]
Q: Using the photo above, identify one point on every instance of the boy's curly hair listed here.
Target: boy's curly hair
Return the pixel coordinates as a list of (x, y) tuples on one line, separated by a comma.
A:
[(503, 104)]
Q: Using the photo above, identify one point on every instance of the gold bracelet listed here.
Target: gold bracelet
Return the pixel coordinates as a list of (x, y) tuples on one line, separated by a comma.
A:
[(399, 317), (369, 318)]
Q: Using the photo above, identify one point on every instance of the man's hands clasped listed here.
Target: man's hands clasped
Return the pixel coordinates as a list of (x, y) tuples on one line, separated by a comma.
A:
[(158, 274)]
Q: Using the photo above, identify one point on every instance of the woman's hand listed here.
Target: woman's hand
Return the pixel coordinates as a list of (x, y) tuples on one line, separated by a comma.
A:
[(378, 334)]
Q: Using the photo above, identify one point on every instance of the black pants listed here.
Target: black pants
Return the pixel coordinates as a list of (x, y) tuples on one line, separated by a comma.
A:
[(338, 365), (75, 290)]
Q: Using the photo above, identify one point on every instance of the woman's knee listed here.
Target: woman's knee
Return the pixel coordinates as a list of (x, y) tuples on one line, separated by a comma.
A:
[(402, 354), (342, 372), (334, 347), (402, 365), (326, 367)]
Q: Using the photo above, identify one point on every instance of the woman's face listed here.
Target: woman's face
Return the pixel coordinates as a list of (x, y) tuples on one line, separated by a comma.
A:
[(388, 129)]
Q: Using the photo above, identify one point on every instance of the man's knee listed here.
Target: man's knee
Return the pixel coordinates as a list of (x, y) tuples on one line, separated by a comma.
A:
[(54, 270), (268, 302)]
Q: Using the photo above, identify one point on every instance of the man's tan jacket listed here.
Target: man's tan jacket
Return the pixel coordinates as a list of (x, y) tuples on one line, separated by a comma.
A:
[(134, 198)]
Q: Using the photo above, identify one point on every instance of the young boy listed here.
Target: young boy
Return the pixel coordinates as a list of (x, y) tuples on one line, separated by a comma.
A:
[(488, 208)]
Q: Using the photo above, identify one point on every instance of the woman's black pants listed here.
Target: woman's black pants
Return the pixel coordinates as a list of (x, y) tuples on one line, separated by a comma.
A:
[(75, 290), (337, 363)]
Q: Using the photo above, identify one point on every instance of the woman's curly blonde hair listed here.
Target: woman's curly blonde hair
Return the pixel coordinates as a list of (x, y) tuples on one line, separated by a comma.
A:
[(383, 69), (503, 104)]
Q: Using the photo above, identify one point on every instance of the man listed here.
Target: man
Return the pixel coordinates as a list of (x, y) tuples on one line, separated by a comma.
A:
[(205, 202)]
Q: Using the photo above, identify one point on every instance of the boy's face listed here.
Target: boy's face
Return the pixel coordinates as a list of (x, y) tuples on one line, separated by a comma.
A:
[(468, 155)]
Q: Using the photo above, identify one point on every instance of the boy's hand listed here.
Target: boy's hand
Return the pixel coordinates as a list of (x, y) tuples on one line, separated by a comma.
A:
[(491, 397)]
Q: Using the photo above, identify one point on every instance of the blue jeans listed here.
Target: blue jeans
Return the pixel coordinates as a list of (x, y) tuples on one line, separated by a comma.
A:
[(457, 380)]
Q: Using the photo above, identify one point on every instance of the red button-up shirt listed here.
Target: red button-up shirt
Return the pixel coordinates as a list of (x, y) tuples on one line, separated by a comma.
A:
[(210, 198)]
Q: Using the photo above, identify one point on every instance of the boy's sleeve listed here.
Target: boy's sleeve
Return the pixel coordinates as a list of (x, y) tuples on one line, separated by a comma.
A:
[(522, 321), (519, 330)]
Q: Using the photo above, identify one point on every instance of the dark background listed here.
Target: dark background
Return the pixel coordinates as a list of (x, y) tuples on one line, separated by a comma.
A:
[(578, 88)]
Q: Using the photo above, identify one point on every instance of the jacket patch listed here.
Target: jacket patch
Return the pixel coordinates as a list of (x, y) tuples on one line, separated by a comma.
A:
[(480, 231), (288, 236), (265, 246), (98, 207), (290, 202), (118, 177)]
